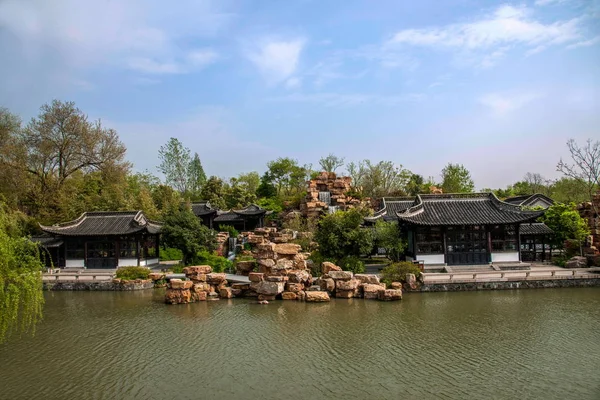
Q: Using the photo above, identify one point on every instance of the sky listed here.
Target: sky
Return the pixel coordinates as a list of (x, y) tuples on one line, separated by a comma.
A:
[(496, 86)]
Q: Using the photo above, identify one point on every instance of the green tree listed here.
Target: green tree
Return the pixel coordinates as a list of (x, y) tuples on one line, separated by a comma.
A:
[(182, 230), (388, 236), (340, 234), (457, 179), (286, 175), (56, 146), (382, 179), (175, 160), (567, 190), (331, 163), (214, 191), (196, 177), (21, 297), (567, 224), (266, 189)]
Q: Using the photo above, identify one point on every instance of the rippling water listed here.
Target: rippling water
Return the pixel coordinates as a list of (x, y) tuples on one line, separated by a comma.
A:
[(529, 344)]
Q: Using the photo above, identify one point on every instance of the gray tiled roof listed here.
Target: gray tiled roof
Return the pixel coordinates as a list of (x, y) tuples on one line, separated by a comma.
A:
[(252, 209), (529, 200), (101, 223), (228, 216), (202, 208), (47, 241), (464, 209), (536, 228), (390, 206)]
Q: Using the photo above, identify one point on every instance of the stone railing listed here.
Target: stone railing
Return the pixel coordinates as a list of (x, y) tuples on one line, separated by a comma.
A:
[(493, 276), (78, 277)]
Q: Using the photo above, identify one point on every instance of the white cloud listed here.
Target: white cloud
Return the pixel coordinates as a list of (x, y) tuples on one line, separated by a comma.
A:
[(350, 99), (293, 82), (148, 36), (585, 43), (277, 60), (506, 27), (502, 104), (549, 2)]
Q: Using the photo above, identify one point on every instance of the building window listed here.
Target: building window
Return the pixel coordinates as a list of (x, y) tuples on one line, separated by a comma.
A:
[(150, 247), (504, 238), (75, 249), (128, 249), (101, 249), (429, 241)]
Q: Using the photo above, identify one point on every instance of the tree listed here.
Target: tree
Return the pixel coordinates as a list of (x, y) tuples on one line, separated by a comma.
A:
[(214, 191), (331, 163), (182, 230), (585, 167), (388, 236), (239, 194), (340, 235), (567, 224), (567, 190), (377, 180), (55, 146), (196, 176), (286, 175), (266, 189), (457, 179), (21, 296), (175, 160)]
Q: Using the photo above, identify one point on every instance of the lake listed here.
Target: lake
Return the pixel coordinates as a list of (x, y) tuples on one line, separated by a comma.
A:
[(528, 344)]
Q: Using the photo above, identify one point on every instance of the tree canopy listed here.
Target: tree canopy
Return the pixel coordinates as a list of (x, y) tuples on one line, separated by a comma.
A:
[(457, 179)]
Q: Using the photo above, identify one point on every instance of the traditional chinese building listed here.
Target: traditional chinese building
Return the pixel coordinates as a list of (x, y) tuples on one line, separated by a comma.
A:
[(531, 201), (103, 239), (245, 219), (457, 229)]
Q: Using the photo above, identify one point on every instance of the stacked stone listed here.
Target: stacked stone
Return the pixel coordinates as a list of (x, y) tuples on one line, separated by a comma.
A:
[(338, 187), (158, 278), (346, 285), (586, 211), (265, 235), (202, 285), (282, 273), (222, 242)]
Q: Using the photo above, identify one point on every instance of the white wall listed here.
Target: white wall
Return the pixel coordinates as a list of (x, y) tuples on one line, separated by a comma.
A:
[(152, 261), (75, 263), (128, 262), (505, 257), (430, 258)]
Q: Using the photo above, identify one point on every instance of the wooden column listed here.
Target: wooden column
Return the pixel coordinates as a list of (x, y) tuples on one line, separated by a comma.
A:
[(444, 244), (137, 249), (117, 251), (488, 233), (517, 229), (85, 254)]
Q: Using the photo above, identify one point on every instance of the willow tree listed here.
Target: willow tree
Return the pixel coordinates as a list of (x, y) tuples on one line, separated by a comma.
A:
[(21, 297)]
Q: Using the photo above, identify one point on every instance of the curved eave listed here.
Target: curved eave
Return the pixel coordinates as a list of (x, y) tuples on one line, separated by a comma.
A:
[(524, 219)]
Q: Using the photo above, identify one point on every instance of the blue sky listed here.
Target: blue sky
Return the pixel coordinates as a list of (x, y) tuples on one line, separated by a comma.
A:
[(497, 86)]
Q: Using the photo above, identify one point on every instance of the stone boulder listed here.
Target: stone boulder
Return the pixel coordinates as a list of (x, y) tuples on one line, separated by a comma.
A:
[(216, 278), (316, 296), (270, 288), (198, 269), (225, 293), (367, 278), (294, 287), (289, 296), (156, 276), (576, 262), (245, 267), (199, 296), (287, 249), (344, 294), (327, 266), (411, 279), (201, 287), (390, 294), (396, 285), (276, 278), (341, 275), (327, 284), (371, 291), (178, 284), (350, 285), (178, 296), (299, 276), (256, 276)]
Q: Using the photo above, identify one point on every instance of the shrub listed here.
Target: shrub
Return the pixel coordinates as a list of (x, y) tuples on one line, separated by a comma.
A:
[(218, 263), (132, 273), (396, 272), (559, 261), (572, 248), (352, 263), (170, 254), (229, 229)]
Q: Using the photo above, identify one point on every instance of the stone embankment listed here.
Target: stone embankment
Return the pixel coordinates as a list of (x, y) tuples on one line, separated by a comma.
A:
[(283, 273), (114, 285)]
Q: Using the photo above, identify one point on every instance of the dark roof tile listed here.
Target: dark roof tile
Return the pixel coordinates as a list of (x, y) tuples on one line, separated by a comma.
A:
[(101, 223)]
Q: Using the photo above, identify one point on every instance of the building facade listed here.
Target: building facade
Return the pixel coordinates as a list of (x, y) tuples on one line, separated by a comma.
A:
[(245, 219), (105, 239)]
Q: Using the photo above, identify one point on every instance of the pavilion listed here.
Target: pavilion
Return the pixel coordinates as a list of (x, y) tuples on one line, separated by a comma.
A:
[(103, 239), (463, 229), (245, 219)]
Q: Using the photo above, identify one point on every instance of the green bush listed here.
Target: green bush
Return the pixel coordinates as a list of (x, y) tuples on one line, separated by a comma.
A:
[(218, 263), (132, 273), (170, 254), (352, 263), (229, 229), (396, 272), (317, 258), (559, 261)]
